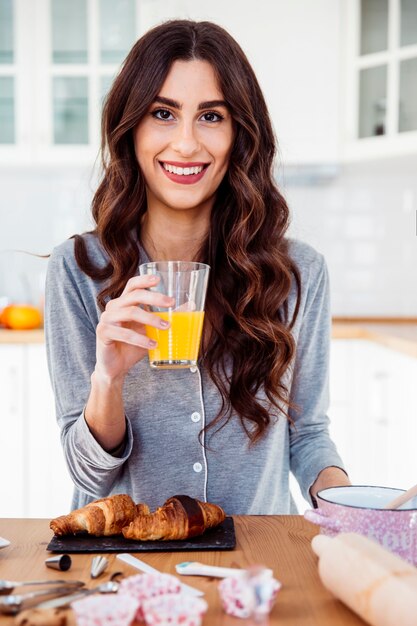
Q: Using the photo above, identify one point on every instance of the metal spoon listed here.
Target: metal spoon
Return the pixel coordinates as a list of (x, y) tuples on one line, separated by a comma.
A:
[(11, 605), (111, 586), (7, 586)]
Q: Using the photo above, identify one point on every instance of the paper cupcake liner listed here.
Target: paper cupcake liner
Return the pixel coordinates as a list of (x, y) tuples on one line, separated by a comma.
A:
[(174, 610), (142, 587), (250, 596), (105, 611)]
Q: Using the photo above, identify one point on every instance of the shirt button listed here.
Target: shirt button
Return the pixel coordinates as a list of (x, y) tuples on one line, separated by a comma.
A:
[(197, 467), (193, 369), (196, 417)]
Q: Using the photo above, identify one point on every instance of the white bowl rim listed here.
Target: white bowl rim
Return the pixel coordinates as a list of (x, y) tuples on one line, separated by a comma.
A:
[(366, 508)]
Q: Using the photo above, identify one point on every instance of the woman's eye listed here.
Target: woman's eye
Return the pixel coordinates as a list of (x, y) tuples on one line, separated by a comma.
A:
[(162, 114), (211, 116)]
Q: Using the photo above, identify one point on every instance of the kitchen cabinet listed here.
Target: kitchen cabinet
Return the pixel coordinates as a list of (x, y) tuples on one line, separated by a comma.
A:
[(381, 78), (12, 432), (57, 62), (373, 414), (34, 479)]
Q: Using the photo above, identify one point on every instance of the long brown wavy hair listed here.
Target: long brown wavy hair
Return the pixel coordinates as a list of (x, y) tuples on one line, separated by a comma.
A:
[(251, 269)]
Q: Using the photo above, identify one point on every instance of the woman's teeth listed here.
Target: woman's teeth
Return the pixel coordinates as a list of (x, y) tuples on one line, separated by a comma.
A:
[(183, 171)]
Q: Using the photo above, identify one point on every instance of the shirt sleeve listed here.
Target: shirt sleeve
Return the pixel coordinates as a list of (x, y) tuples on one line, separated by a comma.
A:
[(70, 321), (311, 449)]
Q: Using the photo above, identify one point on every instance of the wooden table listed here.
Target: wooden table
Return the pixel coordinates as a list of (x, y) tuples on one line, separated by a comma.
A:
[(281, 543)]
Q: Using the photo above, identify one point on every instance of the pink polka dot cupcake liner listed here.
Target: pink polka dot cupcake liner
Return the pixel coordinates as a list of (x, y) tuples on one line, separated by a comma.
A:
[(146, 586), (249, 596), (105, 611), (174, 610)]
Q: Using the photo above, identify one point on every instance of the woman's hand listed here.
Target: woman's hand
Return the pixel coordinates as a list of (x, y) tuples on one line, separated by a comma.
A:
[(329, 477), (121, 335)]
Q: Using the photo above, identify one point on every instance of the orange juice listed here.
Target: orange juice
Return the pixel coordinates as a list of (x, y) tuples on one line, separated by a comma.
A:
[(179, 344)]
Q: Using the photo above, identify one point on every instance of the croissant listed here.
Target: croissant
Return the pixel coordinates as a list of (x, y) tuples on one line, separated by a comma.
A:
[(103, 517), (180, 517)]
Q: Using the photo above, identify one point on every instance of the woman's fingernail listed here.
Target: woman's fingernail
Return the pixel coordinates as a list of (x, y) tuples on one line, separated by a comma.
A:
[(164, 324), (152, 343)]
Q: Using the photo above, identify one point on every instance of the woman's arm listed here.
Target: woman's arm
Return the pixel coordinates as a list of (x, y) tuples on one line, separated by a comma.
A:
[(315, 461), (87, 379), (121, 342), (329, 477)]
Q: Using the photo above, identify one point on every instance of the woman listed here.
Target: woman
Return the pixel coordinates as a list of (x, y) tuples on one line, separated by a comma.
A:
[(188, 153)]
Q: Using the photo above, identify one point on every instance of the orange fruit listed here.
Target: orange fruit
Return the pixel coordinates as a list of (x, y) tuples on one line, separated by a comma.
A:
[(21, 317)]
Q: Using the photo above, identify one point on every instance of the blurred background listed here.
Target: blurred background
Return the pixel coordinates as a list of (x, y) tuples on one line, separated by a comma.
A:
[(340, 80)]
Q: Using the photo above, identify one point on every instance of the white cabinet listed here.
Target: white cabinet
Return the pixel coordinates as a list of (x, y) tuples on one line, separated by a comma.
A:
[(49, 487), (57, 61), (373, 412), (34, 479), (12, 429), (381, 74)]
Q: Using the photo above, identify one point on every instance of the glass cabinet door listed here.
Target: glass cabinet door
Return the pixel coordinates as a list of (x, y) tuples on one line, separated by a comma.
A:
[(386, 66), (117, 29), (374, 26), (7, 122), (58, 59), (70, 102), (372, 101), (408, 20), (7, 79), (90, 38), (407, 118), (6, 32), (69, 31)]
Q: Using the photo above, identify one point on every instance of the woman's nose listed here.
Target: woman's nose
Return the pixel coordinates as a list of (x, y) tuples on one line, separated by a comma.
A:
[(185, 141)]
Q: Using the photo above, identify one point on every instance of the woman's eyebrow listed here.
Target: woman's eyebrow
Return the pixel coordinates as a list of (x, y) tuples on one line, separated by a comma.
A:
[(203, 105), (171, 103), (212, 103)]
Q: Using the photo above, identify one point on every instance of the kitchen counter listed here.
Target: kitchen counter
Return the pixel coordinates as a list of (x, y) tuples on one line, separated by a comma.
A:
[(396, 333), (281, 542), (21, 336)]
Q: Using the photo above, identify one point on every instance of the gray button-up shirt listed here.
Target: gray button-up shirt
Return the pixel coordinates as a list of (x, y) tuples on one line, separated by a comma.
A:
[(166, 410)]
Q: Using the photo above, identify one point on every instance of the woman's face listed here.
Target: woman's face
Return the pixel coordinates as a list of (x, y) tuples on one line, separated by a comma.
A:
[(183, 143)]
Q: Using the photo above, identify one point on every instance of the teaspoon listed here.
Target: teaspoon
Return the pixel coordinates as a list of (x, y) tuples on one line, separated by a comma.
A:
[(11, 605), (7, 586)]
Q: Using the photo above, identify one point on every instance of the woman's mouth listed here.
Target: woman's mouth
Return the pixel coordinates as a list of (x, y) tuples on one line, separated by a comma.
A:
[(184, 174)]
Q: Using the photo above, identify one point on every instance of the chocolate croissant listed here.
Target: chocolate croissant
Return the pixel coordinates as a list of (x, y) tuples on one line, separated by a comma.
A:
[(103, 517), (181, 517)]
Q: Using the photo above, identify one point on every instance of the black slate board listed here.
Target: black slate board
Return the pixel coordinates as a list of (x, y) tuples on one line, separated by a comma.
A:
[(220, 538)]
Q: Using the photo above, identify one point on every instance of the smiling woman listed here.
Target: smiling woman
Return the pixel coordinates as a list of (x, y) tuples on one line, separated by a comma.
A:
[(187, 142), (188, 151)]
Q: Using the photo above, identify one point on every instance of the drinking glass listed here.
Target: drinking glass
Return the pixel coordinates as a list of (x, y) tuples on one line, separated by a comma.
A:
[(186, 282)]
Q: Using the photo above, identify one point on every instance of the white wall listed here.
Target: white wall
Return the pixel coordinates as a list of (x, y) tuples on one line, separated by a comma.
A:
[(364, 222), (39, 208)]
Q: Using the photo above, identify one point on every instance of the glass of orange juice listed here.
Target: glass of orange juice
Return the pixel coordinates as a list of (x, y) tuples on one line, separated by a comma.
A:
[(186, 282)]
